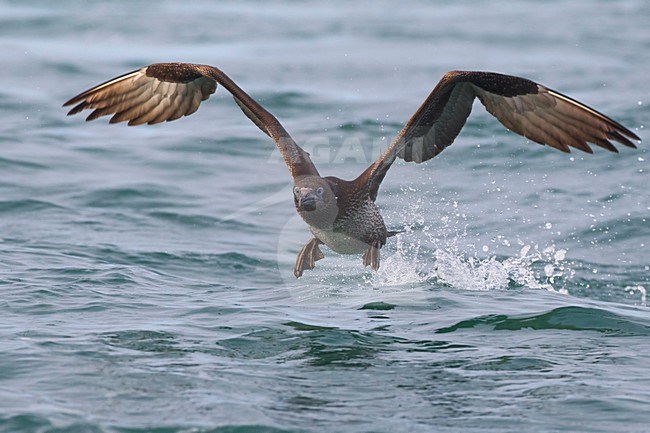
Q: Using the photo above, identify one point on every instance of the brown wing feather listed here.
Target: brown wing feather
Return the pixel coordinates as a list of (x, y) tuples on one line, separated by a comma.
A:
[(168, 91), (523, 106)]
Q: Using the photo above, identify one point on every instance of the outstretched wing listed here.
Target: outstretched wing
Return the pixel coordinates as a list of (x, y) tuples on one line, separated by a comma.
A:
[(523, 106), (167, 91)]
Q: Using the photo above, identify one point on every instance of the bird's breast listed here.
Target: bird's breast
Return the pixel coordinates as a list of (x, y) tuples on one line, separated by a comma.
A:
[(354, 230), (339, 241)]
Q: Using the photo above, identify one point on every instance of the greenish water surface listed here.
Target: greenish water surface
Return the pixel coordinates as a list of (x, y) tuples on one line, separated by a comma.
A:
[(146, 273)]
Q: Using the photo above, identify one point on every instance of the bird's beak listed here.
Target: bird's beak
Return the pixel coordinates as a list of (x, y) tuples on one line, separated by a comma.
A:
[(307, 202)]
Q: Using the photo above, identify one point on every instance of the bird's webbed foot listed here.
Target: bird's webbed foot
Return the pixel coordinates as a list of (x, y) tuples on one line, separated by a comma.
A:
[(371, 256), (307, 257)]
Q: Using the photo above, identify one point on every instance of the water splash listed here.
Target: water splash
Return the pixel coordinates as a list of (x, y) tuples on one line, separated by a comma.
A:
[(457, 261), (448, 265), (471, 273), (400, 267)]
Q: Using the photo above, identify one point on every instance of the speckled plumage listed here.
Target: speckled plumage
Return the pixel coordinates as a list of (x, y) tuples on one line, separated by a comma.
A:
[(355, 230), (342, 214)]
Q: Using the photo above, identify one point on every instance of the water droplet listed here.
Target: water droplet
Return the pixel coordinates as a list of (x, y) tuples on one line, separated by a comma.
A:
[(548, 270), (485, 248), (642, 290), (559, 255), (549, 225)]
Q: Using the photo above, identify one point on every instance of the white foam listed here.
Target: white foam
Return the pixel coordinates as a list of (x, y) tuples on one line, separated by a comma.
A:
[(491, 273), (642, 291), (456, 258)]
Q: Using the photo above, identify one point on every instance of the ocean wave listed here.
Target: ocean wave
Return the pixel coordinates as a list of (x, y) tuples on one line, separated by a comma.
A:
[(27, 205), (570, 318)]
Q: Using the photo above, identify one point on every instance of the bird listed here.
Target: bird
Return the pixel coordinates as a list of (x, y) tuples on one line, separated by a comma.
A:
[(343, 214)]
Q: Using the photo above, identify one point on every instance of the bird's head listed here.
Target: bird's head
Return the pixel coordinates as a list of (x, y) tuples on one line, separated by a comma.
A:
[(312, 194)]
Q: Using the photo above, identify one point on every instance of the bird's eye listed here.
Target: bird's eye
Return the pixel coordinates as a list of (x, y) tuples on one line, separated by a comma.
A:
[(296, 191), (319, 191)]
